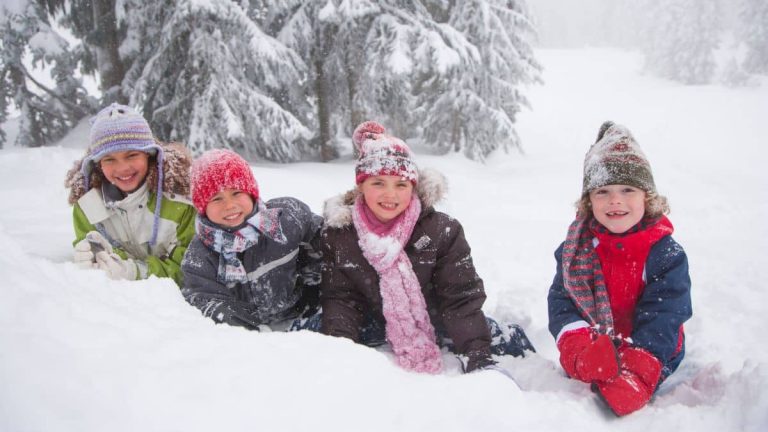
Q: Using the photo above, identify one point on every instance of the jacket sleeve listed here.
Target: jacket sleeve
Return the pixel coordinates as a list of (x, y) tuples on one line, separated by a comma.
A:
[(309, 261), (562, 311), (460, 293), (203, 291), (343, 305), (83, 227), (81, 224), (170, 266), (666, 301)]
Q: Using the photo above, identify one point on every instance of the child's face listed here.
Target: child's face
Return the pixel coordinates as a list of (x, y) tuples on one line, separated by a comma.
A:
[(387, 196), (618, 207), (229, 207), (126, 169)]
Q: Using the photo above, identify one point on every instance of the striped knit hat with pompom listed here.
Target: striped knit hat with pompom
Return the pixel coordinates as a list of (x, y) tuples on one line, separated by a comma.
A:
[(119, 128), (381, 154)]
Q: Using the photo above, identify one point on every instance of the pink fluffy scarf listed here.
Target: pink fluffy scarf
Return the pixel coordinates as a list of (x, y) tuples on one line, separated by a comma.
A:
[(409, 330)]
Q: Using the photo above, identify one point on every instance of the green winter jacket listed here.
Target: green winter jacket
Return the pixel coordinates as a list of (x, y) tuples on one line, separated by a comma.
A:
[(127, 224)]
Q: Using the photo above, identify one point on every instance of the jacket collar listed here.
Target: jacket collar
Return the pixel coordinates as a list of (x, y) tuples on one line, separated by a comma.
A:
[(97, 202)]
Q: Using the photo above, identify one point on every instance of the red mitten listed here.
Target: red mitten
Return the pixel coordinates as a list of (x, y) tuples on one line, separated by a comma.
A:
[(365, 131), (587, 356), (633, 388)]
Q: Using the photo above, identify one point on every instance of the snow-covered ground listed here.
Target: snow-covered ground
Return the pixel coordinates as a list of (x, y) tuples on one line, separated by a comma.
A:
[(79, 352)]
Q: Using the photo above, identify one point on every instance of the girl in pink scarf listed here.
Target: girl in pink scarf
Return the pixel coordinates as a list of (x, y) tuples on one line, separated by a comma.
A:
[(385, 249)]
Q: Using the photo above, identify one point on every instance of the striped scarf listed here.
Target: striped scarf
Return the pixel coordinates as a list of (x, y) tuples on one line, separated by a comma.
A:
[(228, 244), (583, 275)]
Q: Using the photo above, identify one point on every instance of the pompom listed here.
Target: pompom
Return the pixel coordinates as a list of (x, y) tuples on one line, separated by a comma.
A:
[(364, 131)]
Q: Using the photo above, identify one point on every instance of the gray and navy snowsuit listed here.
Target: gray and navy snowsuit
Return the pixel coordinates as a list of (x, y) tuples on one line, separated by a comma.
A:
[(283, 279)]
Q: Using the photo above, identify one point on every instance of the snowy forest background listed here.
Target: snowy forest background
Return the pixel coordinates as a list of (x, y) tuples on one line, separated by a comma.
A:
[(288, 80), (81, 352)]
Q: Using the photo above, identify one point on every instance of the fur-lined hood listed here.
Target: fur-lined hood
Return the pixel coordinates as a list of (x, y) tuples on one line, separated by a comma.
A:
[(431, 189), (176, 162)]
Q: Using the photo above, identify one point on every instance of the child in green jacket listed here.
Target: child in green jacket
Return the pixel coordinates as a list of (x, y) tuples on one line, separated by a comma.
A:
[(123, 225)]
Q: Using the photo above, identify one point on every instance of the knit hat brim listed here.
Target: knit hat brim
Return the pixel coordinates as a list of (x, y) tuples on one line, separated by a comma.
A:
[(150, 147), (217, 170)]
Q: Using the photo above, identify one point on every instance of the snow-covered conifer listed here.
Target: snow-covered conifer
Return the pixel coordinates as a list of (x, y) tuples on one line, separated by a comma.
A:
[(213, 79), (753, 31), (472, 106), (47, 112), (681, 37)]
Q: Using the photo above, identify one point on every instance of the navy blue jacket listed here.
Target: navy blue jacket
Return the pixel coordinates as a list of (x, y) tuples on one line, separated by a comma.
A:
[(660, 312)]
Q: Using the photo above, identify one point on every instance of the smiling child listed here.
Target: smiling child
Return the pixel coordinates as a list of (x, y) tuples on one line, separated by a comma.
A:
[(252, 263), (131, 214), (397, 271), (622, 290)]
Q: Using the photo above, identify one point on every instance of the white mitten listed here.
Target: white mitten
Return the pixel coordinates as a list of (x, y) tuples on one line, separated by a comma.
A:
[(83, 255), (116, 267), (98, 242)]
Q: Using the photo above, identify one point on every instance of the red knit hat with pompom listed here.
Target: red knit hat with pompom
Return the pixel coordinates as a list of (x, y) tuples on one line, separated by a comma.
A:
[(217, 170), (381, 154)]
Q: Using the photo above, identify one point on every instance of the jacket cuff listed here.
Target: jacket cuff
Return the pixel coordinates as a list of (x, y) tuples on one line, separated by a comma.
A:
[(474, 360)]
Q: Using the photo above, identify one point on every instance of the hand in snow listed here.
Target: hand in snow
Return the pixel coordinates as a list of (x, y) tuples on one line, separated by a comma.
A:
[(98, 242), (83, 256), (634, 386), (116, 267), (475, 363), (87, 248), (587, 356), (500, 370)]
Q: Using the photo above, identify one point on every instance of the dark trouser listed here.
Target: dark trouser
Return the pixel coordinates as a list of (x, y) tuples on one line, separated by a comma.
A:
[(506, 339)]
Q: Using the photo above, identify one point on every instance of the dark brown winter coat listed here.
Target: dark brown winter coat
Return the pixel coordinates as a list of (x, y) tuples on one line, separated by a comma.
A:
[(441, 259)]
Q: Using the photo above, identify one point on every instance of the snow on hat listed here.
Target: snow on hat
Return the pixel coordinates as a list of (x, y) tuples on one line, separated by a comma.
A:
[(616, 158), (217, 170), (381, 154), (118, 128)]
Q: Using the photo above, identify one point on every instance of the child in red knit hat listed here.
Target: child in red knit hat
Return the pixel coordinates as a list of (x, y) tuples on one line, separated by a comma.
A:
[(622, 290), (398, 272), (251, 263)]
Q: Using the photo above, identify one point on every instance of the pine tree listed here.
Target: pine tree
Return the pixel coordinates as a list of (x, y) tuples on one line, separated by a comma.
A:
[(214, 80), (472, 108), (317, 30), (46, 113), (681, 38), (753, 15), (367, 58)]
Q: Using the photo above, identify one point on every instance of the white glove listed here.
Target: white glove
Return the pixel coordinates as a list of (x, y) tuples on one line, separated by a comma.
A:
[(85, 249), (98, 242), (116, 267), (83, 256)]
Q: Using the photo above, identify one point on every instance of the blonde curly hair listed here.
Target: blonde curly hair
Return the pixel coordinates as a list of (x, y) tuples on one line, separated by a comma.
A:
[(655, 205)]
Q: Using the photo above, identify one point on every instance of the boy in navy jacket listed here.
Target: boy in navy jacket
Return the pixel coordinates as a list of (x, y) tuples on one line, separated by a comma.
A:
[(622, 290)]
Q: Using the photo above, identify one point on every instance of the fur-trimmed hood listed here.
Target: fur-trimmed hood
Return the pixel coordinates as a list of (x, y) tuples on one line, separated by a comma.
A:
[(431, 189), (176, 163)]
